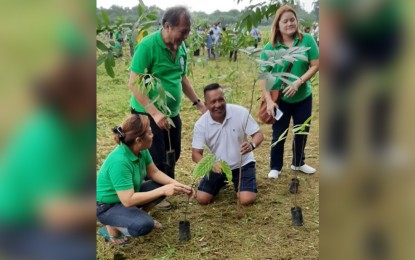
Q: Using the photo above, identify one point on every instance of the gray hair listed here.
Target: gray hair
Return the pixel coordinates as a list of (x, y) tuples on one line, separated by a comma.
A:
[(173, 14)]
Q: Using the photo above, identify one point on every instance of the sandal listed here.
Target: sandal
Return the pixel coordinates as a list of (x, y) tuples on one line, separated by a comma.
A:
[(111, 239), (163, 205)]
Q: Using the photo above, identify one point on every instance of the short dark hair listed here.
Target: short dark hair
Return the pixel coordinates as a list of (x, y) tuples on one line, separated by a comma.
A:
[(210, 87), (173, 14)]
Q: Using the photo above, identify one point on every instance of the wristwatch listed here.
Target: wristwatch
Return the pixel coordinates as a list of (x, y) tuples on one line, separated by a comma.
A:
[(196, 102), (253, 146)]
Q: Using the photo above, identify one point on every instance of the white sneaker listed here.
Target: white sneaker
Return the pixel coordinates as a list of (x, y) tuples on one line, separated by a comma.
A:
[(273, 174), (305, 169)]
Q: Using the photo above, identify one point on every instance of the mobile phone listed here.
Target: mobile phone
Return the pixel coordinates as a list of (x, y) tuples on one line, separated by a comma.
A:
[(278, 114)]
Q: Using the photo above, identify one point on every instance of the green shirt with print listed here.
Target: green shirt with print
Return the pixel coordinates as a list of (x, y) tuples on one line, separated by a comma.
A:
[(153, 54), (117, 49), (121, 170), (299, 67)]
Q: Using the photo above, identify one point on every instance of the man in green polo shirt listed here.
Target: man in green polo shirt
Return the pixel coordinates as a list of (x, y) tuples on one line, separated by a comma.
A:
[(163, 54)]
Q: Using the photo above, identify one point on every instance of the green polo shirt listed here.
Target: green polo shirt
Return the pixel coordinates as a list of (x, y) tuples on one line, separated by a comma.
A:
[(153, 54), (47, 158), (299, 67), (121, 170)]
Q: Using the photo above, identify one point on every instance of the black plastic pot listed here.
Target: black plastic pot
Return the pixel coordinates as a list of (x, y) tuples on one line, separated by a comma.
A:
[(297, 216), (184, 230), (294, 184), (170, 162)]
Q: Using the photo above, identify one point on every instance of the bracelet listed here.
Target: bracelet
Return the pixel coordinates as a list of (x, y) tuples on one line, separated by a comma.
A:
[(253, 146), (196, 102), (301, 80)]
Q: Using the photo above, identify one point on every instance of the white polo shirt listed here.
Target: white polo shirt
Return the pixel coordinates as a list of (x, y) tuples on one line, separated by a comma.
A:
[(224, 140)]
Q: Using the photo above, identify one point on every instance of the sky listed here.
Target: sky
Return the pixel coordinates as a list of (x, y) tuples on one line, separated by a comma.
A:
[(207, 6)]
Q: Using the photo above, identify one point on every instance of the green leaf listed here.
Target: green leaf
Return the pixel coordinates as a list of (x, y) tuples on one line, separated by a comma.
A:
[(298, 128), (248, 22), (300, 56), (226, 170), (105, 17), (170, 95), (270, 80), (140, 9), (108, 68), (204, 166), (101, 46), (280, 138), (154, 100), (101, 59), (171, 122), (111, 58)]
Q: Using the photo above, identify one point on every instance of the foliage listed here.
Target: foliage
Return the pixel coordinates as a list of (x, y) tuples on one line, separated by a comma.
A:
[(231, 41), (204, 166), (254, 14), (259, 14), (276, 57), (145, 20), (297, 130), (147, 83)]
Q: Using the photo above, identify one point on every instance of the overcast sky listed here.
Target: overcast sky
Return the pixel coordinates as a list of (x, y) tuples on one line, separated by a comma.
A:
[(207, 6)]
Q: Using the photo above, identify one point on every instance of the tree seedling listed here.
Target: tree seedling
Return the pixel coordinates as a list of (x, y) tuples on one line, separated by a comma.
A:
[(202, 169)]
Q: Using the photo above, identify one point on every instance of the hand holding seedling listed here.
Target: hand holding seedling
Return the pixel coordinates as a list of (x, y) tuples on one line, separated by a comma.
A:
[(217, 168), (161, 121), (246, 148), (176, 188)]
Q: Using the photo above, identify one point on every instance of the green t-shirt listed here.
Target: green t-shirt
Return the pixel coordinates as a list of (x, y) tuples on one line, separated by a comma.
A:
[(152, 54), (121, 170), (48, 158), (118, 35), (299, 67), (117, 49)]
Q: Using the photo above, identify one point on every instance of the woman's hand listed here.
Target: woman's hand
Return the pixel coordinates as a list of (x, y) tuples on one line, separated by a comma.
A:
[(271, 107), (290, 91), (176, 188)]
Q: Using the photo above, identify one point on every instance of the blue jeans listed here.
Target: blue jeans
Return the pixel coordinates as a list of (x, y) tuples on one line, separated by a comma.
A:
[(300, 112), (134, 219)]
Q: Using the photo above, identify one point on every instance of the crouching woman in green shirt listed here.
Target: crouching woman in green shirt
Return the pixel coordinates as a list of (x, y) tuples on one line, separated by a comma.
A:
[(122, 196)]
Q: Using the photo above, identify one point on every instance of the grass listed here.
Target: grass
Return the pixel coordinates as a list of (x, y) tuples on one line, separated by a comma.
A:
[(265, 230)]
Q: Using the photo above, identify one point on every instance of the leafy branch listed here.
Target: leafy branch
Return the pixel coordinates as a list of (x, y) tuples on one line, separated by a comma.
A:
[(203, 169), (297, 130), (147, 83), (146, 19)]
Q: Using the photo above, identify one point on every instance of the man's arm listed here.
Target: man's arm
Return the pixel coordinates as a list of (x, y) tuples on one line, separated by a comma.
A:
[(197, 155), (257, 139), (158, 117), (189, 91)]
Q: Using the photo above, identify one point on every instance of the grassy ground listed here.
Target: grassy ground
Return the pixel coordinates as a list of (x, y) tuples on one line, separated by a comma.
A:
[(265, 230)]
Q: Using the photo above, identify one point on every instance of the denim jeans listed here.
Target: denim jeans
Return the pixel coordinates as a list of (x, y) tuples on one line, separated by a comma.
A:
[(300, 112), (136, 221)]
